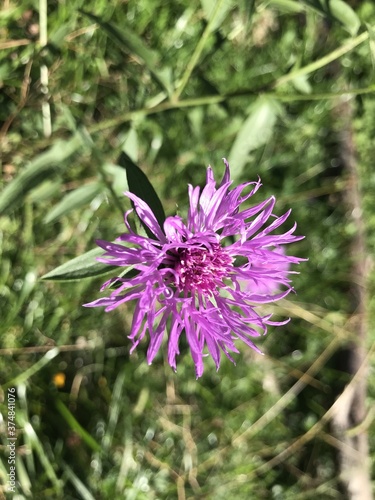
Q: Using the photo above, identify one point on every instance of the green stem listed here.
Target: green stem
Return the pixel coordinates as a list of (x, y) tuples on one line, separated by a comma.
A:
[(215, 99), (323, 61), (174, 103)]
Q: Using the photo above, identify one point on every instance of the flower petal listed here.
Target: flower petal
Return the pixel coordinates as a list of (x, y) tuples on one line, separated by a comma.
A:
[(146, 215)]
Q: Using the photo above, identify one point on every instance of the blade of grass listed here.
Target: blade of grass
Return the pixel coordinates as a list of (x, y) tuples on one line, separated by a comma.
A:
[(23, 477), (73, 200), (197, 52), (100, 164), (24, 376), (44, 165), (130, 42), (115, 408), (32, 440), (80, 487), (255, 131), (40, 451), (76, 426), (323, 61)]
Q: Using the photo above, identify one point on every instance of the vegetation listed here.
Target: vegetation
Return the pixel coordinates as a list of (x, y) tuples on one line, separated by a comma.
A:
[(284, 90)]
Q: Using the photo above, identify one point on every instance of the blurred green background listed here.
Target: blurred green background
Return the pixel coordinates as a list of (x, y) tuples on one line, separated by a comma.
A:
[(285, 90)]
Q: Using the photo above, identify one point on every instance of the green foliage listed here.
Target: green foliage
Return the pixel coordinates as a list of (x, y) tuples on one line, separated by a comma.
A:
[(83, 266), (148, 93), (141, 186)]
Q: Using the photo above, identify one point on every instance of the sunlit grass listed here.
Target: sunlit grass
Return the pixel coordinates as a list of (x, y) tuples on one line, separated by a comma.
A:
[(175, 91)]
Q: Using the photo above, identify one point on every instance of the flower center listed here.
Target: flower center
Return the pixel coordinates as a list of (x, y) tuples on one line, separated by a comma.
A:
[(202, 269)]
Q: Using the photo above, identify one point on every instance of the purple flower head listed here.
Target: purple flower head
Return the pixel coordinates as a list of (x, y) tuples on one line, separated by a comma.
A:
[(206, 278)]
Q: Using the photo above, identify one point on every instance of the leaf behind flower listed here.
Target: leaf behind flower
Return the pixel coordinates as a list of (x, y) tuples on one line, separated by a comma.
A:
[(142, 187), (255, 131)]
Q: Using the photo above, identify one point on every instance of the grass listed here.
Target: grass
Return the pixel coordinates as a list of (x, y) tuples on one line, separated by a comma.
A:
[(277, 87)]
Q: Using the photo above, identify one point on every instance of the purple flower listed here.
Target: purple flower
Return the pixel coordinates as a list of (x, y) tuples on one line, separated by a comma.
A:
[(206, 278), (267, 286)]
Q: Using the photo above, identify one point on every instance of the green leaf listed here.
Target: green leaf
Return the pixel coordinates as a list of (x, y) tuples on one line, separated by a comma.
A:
[(371, 38), (141, 186), (79, 486), (11, 12), (337, 10), (5, 71), (76, 199), (75, 426), (43, 166), (117, 177), (208, 8), (256, 130), (130, 145), (33, 369), (59, 32), (131, 43), (45, 191), (345, 15), (302, 84), (83, 266), (287, 5)]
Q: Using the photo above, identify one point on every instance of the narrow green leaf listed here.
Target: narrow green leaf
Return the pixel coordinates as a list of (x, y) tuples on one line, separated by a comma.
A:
[(76, 199), (34, 444), (342, 11), (43, 166), (80, 487), (5, 71), (83, 266), (59, 32), (117, 177), (371, 33), (256, 130), (287, 5), (30, 372), (302, 84), (208, 8), (141, 186), (337, 10), (131, 43), (45, 191), (323, 61), (75, 426), (11, 12), (130, 145), (23, 477)]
